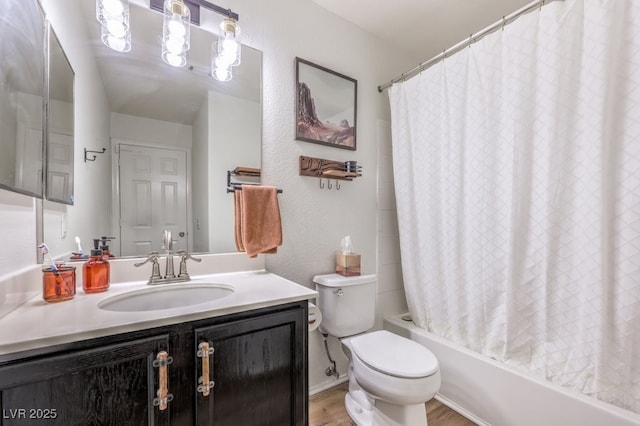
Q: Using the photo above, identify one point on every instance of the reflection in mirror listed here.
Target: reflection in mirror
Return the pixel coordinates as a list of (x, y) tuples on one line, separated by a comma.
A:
[(59, 186), (174, 133), (22, 50)]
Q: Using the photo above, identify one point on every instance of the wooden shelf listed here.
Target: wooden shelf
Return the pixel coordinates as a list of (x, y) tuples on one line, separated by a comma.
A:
[(329, 169)]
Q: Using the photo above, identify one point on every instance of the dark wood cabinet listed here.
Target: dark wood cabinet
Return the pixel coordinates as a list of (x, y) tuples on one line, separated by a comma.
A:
[(256, 362), (85, 387), (254, 367)]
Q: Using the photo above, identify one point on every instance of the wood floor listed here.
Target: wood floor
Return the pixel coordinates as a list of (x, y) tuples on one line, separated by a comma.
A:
[(327, 409)]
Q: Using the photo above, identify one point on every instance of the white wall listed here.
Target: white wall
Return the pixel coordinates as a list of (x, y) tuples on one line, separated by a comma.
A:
[(17, 227), (150, 131), (391, 295), (200, 185)]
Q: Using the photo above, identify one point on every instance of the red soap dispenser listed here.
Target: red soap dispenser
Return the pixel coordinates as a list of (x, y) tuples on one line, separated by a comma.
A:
[(104, 246), (95, 271)]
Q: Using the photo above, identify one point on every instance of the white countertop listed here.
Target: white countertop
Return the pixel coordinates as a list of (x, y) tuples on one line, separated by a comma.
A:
[(37, 324)]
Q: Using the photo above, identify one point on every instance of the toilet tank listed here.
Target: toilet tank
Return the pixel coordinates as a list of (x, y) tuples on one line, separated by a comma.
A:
[(347, 304)]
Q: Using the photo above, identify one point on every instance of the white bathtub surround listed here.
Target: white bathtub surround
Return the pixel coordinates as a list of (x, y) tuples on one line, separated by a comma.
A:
[(491, 393), (517, 168)]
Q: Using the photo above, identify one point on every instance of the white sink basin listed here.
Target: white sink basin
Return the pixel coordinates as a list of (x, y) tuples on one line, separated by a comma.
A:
[(166, 296)]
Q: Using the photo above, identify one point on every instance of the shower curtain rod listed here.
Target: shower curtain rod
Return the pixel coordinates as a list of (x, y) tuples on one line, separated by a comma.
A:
[(507, 19)]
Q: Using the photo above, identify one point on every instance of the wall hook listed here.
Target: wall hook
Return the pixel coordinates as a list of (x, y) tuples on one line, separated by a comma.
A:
[(329, 186), (321, 185), (86, 158), (337, 185)]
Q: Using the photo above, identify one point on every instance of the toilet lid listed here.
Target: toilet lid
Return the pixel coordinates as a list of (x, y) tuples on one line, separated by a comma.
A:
[(394, 355)]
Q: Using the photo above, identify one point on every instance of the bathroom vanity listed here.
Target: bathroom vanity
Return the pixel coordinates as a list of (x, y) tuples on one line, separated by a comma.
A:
[(238, 360)]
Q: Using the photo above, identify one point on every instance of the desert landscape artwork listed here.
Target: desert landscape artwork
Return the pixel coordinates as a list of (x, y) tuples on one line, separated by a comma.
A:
[(325, 106)]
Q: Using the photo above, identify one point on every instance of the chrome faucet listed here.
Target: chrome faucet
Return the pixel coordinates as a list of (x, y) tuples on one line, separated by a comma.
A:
[(155, 267), (170, 277), (167, 244), (183, 275)]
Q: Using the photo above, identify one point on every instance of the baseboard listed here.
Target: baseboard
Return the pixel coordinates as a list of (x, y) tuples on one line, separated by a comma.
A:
[(328, 385), (458, 409)]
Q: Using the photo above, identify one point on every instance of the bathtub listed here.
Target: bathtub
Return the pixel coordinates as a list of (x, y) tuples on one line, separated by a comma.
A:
[(490, 393)]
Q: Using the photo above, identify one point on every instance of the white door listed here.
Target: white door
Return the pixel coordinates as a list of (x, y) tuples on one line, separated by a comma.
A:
[(153, 197), (60, 167)]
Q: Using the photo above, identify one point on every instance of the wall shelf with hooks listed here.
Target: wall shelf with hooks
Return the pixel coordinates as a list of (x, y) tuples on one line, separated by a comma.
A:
[(329, 169)]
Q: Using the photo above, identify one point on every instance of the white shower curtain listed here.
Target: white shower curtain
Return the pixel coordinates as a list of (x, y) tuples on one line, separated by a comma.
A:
[(517, 177)]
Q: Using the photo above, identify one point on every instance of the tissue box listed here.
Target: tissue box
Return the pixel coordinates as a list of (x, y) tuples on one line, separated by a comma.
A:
[(348, 264)]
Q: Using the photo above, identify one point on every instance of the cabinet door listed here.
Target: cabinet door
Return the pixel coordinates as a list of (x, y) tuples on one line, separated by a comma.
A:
[(258, 367), (109, 385)]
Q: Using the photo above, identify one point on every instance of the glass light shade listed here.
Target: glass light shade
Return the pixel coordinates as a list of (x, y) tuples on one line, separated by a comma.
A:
[(107, 10), (118, 43), (221, 74), (116, 28), (175, 31), (228, 44), (218, 58), (174, 59)]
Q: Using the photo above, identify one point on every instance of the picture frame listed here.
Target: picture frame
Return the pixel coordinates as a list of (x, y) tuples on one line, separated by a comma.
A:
[(326, 106)]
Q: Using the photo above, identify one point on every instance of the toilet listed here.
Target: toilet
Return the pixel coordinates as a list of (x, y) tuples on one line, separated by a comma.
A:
[(390, 377)]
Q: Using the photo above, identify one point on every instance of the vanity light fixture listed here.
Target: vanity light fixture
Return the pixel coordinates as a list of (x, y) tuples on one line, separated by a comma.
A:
[(175, 33), (178, 15), (226, 50), (113, 16)]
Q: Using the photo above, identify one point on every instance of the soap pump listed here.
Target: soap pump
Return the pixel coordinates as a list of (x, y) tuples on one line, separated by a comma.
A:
[(104, 246), (95, 271)]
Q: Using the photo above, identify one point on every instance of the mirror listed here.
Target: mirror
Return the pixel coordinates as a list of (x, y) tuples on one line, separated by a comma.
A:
[(174, 134), (22, 49), (59, 186)]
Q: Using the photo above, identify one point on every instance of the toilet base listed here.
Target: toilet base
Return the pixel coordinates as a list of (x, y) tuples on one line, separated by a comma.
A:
[(361, 414), (381, 413), (395, 415)]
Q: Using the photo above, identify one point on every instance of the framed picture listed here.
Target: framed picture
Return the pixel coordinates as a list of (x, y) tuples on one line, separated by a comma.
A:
[(325, 106)]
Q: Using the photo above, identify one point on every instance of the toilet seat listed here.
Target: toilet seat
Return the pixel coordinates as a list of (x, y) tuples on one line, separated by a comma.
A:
[(394, 355)]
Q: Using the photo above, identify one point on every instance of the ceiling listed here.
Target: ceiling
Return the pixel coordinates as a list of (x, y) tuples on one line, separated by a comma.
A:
[(423, 28)]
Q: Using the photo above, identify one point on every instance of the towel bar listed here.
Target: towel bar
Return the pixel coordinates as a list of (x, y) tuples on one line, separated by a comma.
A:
[(242, 171)]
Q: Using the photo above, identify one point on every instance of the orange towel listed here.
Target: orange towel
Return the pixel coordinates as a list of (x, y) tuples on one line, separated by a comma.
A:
[(260, 224), (237, 219)]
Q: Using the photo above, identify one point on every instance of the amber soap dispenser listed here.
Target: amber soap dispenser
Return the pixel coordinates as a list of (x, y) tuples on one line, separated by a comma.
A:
[(95, 271)]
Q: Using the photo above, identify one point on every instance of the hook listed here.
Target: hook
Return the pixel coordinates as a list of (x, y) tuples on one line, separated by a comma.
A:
[(321, 185), (93, 152), (337, 185), (329, 186)]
